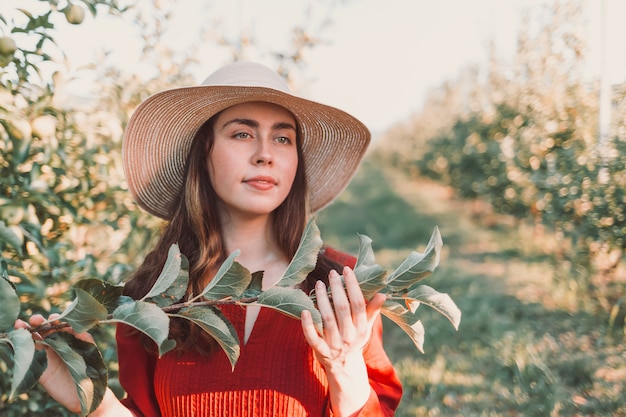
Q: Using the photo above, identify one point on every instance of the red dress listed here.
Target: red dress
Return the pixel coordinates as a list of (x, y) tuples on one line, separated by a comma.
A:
[(276, 374)]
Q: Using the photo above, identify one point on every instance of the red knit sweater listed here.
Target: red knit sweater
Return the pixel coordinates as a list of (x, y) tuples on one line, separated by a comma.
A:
[(276, 374)]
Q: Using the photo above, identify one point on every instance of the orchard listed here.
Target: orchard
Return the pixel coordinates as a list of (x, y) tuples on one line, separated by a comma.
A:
[(522, 141)]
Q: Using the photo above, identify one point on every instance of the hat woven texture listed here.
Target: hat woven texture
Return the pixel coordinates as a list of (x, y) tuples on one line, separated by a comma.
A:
[(158, 137)]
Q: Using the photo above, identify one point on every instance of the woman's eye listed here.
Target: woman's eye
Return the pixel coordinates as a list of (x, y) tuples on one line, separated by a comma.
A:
[(283, 140), (242, 135)]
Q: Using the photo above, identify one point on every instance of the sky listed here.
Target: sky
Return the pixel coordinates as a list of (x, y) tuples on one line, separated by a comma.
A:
[(380, 57)]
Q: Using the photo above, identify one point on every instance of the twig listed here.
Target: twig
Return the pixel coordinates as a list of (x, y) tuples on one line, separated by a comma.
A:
[(49, 327)]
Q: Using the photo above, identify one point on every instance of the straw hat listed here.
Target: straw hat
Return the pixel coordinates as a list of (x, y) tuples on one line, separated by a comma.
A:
[(159, 135)]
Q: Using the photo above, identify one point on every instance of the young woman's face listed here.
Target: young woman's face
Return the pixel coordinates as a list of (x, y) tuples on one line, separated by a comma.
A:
[(254, 158)]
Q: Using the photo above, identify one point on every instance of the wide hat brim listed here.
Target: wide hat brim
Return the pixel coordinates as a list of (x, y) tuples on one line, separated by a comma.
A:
[(158, 138)]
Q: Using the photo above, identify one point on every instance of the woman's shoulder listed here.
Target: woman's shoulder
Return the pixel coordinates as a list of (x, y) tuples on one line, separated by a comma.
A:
[(340, 257)]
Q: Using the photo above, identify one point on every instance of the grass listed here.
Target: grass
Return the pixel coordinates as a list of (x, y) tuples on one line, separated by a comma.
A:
[(526, 346)]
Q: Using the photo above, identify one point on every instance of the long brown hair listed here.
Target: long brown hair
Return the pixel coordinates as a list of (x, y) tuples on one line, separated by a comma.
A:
[(195, 225)]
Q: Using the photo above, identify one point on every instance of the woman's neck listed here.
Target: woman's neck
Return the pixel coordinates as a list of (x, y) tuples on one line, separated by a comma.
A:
[(255, 240)]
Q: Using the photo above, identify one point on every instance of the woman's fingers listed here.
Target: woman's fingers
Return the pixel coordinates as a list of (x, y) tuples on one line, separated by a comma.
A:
[(310, 334), (33, 322), (21, 324), (331, 330), (344, 309), (357, 301), (37, 320)]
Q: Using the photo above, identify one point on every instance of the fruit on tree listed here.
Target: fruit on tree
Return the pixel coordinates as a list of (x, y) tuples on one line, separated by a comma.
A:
[(7, 45), (74, 14)]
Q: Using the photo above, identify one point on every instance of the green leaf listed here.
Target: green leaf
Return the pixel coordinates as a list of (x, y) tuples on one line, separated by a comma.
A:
[(148, 319), (10, 303), (177, 289), (35, 370), (230, 281), (21, 148), (23, 345), (8, 236), (6, 351), (371, 279), (290, 301), (106, 294), (416, 266), (168, 275), (84, 312), (407, 321), (305, 258), (371, 276), (86, 365), (439, 301), (365, 257), (96, 367), (212, 321), (256, 285)]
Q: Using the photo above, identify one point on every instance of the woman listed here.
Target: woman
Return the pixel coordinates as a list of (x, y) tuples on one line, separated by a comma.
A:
[(240, 163)]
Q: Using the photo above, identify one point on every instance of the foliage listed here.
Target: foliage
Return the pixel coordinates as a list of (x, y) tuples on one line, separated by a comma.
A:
[(555, 180), (60, 177), (97, 303)]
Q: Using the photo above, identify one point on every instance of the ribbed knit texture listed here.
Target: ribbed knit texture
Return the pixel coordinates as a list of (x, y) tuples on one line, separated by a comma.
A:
[(262, 383)]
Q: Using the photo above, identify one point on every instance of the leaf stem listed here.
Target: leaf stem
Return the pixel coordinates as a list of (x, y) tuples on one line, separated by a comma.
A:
[(205, 303), (49, 327)]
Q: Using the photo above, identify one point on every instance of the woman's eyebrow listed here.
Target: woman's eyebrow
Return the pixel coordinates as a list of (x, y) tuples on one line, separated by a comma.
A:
[(283, 125), (247, 122), (254, 124)]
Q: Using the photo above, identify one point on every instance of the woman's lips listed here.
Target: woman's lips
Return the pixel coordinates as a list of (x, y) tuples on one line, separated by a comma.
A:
[(261, 183)]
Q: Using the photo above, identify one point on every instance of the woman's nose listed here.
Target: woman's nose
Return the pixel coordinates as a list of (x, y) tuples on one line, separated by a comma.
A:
[(263, 154)]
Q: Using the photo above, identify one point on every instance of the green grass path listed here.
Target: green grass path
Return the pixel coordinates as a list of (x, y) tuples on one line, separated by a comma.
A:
[(523, 347)]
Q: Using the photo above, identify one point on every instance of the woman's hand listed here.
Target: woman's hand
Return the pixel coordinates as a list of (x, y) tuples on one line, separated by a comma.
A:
[(347, 329), (56, 379)]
